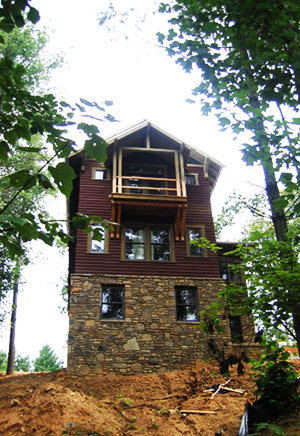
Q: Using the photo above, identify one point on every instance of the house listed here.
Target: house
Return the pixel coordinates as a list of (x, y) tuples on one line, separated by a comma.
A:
[(136, 295)]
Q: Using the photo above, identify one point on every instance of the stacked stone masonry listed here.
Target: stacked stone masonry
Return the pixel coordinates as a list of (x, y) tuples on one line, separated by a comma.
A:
[(149, 339)]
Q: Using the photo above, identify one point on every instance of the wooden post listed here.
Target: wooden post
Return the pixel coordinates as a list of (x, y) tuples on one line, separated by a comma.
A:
[(115, 157), (177, 174), (120, 171), (182, 175)]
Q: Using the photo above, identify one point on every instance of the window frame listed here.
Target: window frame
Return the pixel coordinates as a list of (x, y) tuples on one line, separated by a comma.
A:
[(189, 246), (99, 168), (90, 240), (196, 305), (195, 175), (112, 286), (147, 242)]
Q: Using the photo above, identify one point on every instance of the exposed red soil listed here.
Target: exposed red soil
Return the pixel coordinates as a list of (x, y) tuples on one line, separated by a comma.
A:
[(151, 404)]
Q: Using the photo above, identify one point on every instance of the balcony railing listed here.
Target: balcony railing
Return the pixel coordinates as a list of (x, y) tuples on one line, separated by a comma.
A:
[(142, 185)]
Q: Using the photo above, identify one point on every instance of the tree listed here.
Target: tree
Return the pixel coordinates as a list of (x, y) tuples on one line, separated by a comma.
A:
[(22, 363), (248, 53), (47, 360), (25, 113)]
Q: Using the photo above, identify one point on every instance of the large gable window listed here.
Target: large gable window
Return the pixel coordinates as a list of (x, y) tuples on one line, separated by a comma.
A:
[(149, 243), (112, 302), (186, 304)]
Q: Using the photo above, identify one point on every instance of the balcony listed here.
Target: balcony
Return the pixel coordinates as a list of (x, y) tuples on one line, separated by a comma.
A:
[(149, 194)]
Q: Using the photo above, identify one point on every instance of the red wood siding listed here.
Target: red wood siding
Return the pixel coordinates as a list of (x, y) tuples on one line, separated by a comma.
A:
[(94, 199)]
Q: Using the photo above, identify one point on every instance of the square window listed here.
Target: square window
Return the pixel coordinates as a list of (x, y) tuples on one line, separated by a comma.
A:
[(190, 179), (186, 304), (193, 234), (99, 174), (112, 302), (97, 239)]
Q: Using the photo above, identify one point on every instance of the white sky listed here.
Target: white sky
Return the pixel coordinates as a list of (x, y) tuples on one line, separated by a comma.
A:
[(124, 65)]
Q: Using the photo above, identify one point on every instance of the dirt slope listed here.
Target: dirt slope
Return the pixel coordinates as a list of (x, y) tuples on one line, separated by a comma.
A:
[(51, 403)]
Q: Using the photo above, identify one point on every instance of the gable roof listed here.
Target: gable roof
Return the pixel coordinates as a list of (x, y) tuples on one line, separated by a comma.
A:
[(137, 134), (138, 131)]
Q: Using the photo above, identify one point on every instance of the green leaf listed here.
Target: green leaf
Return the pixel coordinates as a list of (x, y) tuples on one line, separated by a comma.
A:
[(108, 102), (33, 15), (63, 176), (45, 182), (22, 178), (4, 150), (96, 148), (86, 102), (89, 129)]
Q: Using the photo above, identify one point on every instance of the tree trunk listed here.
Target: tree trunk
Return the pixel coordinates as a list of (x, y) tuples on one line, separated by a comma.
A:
[(11, 350)]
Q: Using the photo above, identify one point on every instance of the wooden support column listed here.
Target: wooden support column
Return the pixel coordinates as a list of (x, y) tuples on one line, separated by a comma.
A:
[(148, 137), (120, 157), (115, 160), (177, 174), (182, 175)]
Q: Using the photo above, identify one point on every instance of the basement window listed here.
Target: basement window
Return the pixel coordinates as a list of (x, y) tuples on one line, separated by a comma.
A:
[(112, 302), (186, 304)]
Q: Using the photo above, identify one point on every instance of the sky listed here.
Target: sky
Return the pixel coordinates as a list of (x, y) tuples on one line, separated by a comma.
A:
[(119, 61)]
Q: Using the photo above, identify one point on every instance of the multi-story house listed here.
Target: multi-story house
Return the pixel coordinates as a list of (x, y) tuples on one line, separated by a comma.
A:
[(135, 297)]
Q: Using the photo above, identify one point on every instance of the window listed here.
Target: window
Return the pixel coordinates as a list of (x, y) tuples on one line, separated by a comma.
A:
[(95, 245), (147, 243), (186, 304), (194, 233), (135, 243), (230, 273), (236, 329), (100, 174), (191, 179), (112, 302)]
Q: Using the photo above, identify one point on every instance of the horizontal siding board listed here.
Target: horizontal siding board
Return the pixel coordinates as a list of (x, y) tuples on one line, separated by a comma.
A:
[(94, 199)]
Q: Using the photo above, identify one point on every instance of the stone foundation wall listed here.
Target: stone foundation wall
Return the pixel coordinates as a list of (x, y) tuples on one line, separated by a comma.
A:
[(149, 339)]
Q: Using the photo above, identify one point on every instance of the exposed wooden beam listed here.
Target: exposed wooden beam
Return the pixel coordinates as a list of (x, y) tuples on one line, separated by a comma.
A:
[(182, 175), (120, 171), (177, 173), (148, 137), (115, 160)]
